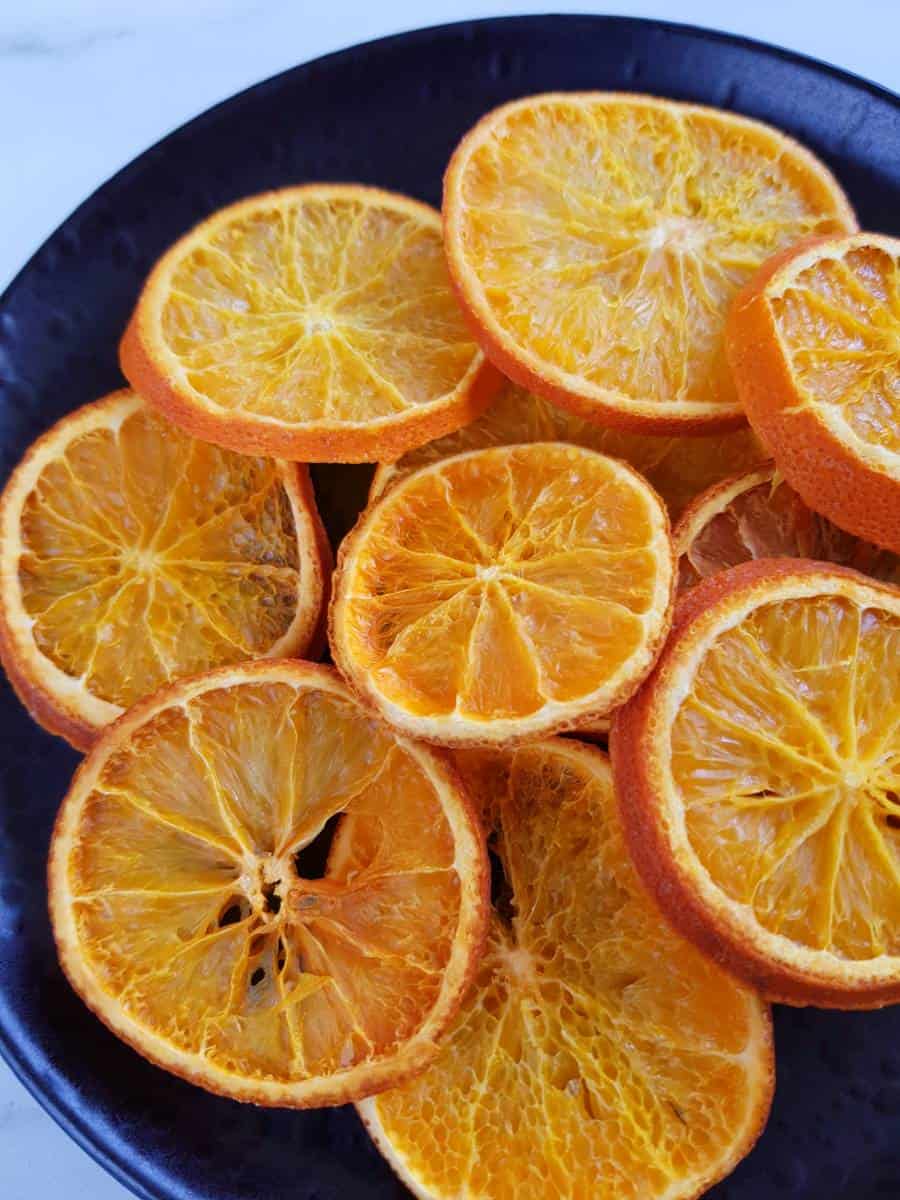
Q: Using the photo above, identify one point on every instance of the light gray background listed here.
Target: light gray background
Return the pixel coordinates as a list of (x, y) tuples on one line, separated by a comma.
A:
[(85, 85)]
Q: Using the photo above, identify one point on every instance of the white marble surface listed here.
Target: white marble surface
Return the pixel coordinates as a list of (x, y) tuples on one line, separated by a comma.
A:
[(87, 84)]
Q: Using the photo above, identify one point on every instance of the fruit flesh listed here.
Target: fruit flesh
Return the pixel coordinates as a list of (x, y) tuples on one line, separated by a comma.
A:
[(786, 758), (608, 236), (677, 467), (148, 555), (192, 907), (598, 1054), (336, 308), (503, 581)]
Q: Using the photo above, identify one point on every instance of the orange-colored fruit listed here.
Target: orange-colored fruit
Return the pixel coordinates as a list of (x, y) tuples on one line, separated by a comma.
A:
[(814, 343), (599, 1054), (133, 554), (758, 772), (496, 595), (758, 515), (596, 240), (312, 323), (678, 467), (187, 918)]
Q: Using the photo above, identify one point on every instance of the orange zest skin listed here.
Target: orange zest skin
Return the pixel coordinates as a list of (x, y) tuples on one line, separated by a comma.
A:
[(596, 240), (314, 323), (757, 778), (184, 915)]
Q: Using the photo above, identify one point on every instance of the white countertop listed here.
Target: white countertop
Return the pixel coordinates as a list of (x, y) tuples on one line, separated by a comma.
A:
[(80, 96)]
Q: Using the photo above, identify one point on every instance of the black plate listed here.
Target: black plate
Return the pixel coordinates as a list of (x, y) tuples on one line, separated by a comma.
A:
[(387, 113)]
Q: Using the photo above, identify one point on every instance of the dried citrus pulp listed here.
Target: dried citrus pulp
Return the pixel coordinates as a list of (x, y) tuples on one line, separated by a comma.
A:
[(814, 341), (759, 774), (311, 323), (598, 1054), (133, 554), (182, 915), (596, 240), (502, 593), (678, 467), (758, 515)]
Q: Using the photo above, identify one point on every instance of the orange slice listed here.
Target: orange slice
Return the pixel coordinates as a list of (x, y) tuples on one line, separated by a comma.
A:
[(678, 467), (758, 515), (759, 775), (132, 555), (599, 1054), (313, 323), (596, 240), (499, 594), (814, 341), (186, 914)]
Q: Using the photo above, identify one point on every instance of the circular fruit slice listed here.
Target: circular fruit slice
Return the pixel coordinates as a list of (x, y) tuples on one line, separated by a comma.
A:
[(499, 594), (759, 772), (596, 240), (814, 342), (133, 554), (186, 902), (594, 1035), (678, 467), (758, 515), (313, 323)]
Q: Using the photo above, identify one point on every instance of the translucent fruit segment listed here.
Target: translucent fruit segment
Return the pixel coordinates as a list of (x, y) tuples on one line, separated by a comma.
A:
[(192, 904), (147, 555), (786, 753), (594, 1033)]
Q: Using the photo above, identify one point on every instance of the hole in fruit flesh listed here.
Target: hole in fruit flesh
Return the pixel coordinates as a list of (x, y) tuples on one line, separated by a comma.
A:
[(311, 860), (502, 897)]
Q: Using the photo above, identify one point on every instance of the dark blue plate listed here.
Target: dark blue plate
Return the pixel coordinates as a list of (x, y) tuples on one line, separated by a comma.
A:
[(388, 113)]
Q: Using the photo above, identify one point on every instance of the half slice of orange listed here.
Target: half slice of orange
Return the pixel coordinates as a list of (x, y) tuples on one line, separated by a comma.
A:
[(758, 771), (133, 554), (814, 342), (314, 323), (188, 913), (599, 1053), (499, 594), (596, 240)]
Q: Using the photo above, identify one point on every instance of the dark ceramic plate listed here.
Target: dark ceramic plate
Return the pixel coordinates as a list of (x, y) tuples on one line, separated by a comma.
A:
[(388, 113)]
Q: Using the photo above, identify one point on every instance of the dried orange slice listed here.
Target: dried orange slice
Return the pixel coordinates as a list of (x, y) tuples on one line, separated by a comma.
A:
[(599, 1054), (814, 341), (502, 593), (759, 773), (758, 515), (312, 323), (596, 240), (678, 467), (186, 914), (133, 554)]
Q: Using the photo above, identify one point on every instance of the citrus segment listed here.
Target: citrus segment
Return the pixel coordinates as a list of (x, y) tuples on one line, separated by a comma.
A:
[(313, 323), (758, 773), (677, 467), (758, 515), (597, 239), (814, 341), (134, 554), (186, 914), (594, 1034), (497, 594)]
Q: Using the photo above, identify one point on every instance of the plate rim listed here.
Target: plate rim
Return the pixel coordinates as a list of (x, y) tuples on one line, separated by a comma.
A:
[(132, 1175)]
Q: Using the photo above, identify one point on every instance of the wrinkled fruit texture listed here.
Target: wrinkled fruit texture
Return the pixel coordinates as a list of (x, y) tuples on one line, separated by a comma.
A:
[(148, 555), (763, 517), (192, 908), (502, 583), (608, 236), (677, 467), (336, 308), (785, 755), (599, 1054)]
